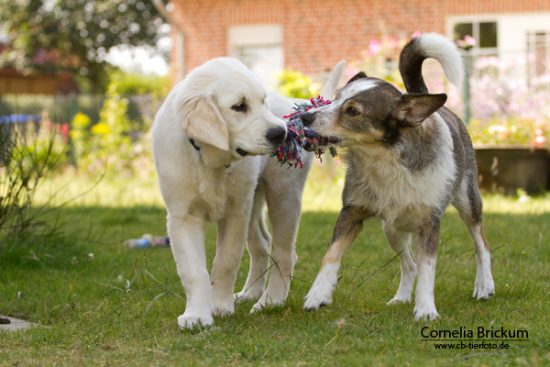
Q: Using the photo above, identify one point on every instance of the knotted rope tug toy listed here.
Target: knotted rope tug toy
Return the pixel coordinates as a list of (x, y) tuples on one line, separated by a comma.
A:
[(300, 137)]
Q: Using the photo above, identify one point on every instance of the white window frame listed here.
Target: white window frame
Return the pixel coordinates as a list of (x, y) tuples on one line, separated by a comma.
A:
[(250, 35), (257, 35), (452, 21)]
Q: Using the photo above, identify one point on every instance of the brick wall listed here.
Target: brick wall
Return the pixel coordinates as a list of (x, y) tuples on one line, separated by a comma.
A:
[(316, 37)]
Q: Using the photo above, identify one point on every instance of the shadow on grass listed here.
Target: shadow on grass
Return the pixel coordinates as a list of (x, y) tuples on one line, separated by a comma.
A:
[(85, 230)]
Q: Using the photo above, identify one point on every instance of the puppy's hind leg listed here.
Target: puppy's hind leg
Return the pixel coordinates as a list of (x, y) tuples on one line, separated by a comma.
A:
[(284, 213), (258, 250), (348, 226), (469, 205), (400, 242)]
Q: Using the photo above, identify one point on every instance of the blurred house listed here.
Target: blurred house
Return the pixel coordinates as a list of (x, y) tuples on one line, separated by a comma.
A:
[(270, 35)]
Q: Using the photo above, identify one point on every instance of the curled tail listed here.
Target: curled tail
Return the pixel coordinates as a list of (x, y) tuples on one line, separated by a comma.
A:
[(429, 45)]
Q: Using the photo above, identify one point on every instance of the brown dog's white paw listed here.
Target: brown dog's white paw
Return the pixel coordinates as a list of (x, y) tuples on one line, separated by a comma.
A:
[(484, 288), (317, 297)]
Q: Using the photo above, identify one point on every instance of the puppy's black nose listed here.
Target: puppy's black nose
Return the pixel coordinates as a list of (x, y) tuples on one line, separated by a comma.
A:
[(308, 118), (276, 135)]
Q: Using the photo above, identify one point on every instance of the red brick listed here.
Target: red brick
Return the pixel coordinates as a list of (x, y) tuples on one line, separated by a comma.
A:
[(347, 26)]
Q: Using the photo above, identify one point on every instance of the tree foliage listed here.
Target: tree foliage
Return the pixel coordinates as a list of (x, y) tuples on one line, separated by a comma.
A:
[(74, 35)]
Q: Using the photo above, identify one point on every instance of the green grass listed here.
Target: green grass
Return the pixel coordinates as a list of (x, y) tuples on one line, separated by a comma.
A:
[(119, 306)]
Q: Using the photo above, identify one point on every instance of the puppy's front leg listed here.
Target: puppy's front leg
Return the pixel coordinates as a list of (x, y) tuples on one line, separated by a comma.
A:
[(187, 244), (348, 226), (232, 234), (426, 258)]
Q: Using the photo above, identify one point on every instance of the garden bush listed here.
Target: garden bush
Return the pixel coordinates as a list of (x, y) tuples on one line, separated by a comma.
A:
[(294, 84), (26, 158)]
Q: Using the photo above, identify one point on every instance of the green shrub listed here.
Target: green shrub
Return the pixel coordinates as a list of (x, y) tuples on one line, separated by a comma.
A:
[(25, 159), (138, 84), (106, 143), (297, 85)]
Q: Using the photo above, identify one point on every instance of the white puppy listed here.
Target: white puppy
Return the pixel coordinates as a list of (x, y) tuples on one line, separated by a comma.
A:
[(209, 122)]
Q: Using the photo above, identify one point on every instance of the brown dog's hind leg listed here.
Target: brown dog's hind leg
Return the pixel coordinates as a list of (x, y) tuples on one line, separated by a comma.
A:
[(469, 205)]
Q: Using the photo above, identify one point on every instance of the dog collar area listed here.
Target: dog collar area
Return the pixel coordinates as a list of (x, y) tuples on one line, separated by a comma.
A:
[(198, 149), (192, 141)]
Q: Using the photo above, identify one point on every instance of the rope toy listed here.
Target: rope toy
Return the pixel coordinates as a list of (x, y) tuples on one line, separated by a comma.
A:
[(300, 137)]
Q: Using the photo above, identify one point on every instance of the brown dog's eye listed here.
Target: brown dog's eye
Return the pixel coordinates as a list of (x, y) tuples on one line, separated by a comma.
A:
[(239, 107), (352, 111)]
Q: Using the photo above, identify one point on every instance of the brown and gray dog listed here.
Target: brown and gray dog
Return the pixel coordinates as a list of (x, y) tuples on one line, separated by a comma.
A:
[(408, 158)]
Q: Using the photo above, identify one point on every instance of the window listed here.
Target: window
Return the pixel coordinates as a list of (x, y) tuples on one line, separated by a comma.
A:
[(260, 47), (538, 54), (484, 32)]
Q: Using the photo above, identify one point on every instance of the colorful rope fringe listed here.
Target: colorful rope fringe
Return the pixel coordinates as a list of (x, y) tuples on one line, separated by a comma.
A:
[(300, 137)]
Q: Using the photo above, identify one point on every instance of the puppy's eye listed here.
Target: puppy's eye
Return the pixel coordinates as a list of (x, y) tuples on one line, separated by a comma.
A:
[(352, 111), (239, 107)]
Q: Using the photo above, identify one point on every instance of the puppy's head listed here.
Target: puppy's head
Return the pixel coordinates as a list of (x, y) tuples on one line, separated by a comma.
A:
[(372, 111), (223, 104)]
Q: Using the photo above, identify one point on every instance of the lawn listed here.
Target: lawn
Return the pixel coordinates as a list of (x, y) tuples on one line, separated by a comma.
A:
[(99, 303)]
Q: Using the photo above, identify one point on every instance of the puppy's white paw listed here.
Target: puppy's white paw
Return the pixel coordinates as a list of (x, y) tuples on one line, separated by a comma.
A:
[(484, 288), (191, 321), (318, 296), (399, 299), (266, 302), (425, 313), (222, 310), (247, 295)]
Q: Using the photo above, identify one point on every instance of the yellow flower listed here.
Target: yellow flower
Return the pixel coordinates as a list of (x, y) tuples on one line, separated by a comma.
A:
[(80, 121), (101, 129)]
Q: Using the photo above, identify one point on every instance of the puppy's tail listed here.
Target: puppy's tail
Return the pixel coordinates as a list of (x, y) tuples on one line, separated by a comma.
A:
[(425, 46), (332, 82)]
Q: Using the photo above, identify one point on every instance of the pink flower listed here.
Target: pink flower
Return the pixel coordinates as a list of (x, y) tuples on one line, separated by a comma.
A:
[(470, 41), (65, 131), (374, 47), (467, 43), (540, 141)]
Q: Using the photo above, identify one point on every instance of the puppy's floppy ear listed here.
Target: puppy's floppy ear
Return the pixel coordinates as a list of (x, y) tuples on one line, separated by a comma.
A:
[(359, 75), (203, 122), (412, 109)]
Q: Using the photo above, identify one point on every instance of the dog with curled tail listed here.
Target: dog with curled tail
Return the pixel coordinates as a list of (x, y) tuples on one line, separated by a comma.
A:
[(408, 157)]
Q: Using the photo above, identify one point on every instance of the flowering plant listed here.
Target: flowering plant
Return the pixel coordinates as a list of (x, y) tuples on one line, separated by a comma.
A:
[(507, 108)]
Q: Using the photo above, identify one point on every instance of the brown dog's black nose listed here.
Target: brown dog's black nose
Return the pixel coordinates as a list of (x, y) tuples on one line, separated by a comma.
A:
[(308, 118), (276, 135)]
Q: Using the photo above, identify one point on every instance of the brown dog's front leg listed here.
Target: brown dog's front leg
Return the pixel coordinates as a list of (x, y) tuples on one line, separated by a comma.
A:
[(348, 226)]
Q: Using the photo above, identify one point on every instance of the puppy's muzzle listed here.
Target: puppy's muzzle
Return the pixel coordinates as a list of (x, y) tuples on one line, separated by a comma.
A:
[(276, 135), (308, 118)]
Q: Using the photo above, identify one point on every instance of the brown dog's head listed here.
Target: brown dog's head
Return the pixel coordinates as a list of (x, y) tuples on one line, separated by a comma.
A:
[(372, 111)]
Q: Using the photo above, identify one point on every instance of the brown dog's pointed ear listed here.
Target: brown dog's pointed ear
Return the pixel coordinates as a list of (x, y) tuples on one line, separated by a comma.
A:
[(412, 109), (203, 122), (359, 75)]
